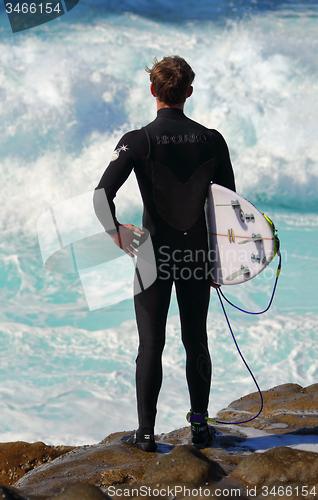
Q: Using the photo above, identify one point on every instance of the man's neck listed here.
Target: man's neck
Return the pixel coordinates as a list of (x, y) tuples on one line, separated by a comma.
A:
[(162, 105)]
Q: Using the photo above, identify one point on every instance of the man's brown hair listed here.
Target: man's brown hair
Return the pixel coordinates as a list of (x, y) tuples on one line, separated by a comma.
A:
[(172, 78)]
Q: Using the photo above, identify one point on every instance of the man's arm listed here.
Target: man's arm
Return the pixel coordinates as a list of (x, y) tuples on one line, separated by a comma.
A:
[(113, 178), (115, 175)]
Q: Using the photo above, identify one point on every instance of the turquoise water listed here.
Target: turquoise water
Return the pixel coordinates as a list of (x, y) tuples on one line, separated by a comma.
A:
[(68, 91)]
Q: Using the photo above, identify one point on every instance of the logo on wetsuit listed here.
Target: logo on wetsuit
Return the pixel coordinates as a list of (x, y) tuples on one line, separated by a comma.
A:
[(117, 151), (180, 139)]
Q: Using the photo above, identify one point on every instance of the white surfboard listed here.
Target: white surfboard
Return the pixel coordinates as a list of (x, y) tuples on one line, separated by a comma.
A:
[(241, 240)]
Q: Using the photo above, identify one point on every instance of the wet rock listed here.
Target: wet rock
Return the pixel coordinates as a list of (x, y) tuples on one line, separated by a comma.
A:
[(8, 493), (82, 492), (288, 406), (183, 464), (278, 464), (16, 459), (101, 465), (223, 448), (287, 491), (289, 409), (226, 489), (74, 492)]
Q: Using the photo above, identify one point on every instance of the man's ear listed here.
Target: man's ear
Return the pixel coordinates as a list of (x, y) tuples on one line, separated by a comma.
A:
[(190, 91), (152, 90)]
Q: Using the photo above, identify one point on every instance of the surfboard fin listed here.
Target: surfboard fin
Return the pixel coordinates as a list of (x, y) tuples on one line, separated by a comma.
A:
[(249, 218), (255, 237), (255, 258), (243, 270), (234, 204)]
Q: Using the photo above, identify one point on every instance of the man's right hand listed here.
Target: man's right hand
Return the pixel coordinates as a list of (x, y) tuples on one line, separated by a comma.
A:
[(127, 238)]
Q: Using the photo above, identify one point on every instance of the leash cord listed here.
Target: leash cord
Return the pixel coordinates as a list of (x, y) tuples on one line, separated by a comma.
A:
[(248, 368), (220, 295)]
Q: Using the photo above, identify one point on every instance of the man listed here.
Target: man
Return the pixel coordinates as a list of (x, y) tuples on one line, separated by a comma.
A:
[(174, 159)]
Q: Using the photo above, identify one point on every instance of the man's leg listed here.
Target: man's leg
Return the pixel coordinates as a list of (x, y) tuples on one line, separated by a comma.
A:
[(151, 308), (193, 299)]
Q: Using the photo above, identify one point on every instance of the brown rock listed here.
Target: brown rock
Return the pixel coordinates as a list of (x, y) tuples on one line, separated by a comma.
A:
[(74, 492), (226, 489), (8, 493), (222, 449), (101, 465), (228, 460), (287, 491), (312, 389), (16, 459), (177, 436), (278, 464), (184, 464), (82, 492), (285, 406), (288, 408)]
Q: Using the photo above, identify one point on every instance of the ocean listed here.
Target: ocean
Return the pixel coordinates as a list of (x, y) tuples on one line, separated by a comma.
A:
[(69, 89)]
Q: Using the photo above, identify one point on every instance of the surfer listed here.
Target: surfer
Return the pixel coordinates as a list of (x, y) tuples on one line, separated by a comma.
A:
[(174, 159)]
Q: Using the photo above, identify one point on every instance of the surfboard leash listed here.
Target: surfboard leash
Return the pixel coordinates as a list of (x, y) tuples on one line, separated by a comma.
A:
[(220, 295), (248, 368), (204, 417)]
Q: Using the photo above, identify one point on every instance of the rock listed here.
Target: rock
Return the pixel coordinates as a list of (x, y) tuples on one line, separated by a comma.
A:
[(223, 448), (74, 492), (188, 491), (82, 492), (100, 464), (8, 493), (287, 491), (278, 464), (289, 409), (16, 459), (183, 464), (286, 406)]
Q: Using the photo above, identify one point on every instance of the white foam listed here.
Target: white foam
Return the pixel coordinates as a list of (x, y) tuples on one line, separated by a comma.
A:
[(256, 83), (56, 382), (65, 102)]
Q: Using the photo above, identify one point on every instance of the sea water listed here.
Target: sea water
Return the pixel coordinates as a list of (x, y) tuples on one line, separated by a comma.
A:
[(69, 90)]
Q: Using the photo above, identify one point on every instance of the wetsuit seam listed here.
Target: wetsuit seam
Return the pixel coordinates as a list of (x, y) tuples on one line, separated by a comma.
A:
[(149, 144)]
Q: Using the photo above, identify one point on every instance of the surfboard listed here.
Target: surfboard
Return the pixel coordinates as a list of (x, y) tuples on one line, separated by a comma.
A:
[(241, 240)]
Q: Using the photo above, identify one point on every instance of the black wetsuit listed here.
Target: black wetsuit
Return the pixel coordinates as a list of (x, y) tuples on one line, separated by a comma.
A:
[(174, 159)]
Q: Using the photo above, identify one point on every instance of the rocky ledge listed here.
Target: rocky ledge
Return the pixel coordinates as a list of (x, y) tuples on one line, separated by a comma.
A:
[(274, 456)]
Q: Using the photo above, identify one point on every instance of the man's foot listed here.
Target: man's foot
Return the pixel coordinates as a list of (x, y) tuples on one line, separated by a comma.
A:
[(142, 441), (202, 435)]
